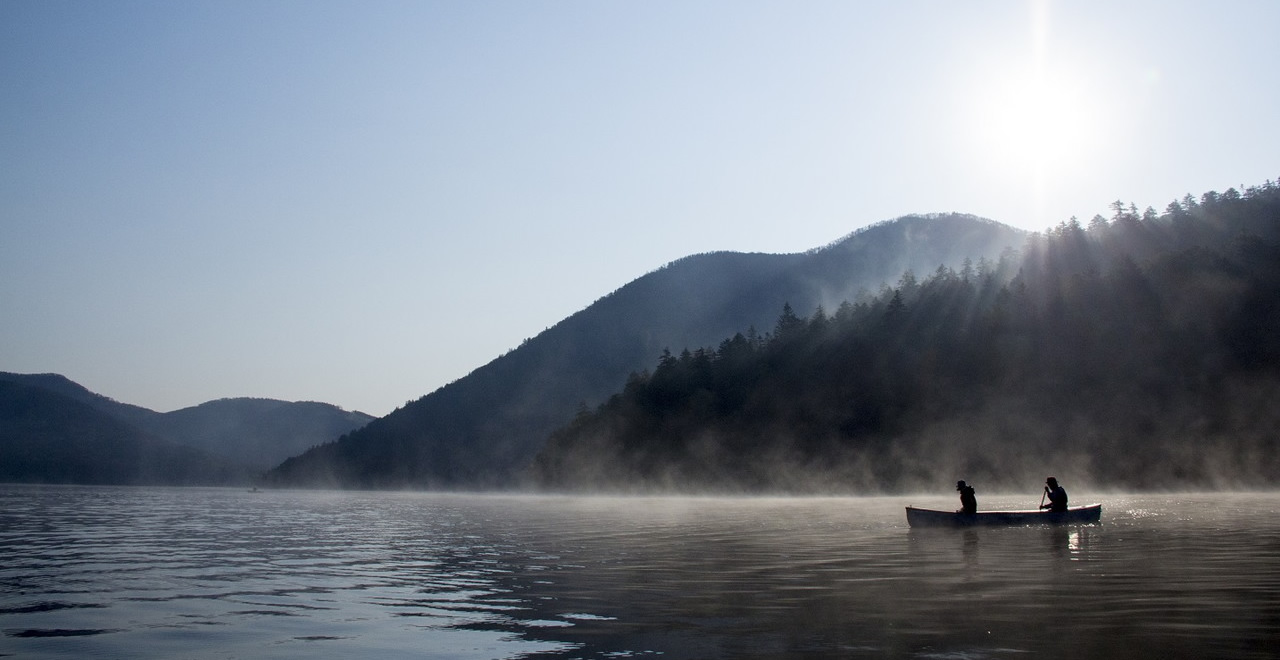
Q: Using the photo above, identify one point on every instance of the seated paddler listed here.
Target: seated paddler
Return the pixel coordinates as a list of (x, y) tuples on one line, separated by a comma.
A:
[(1057, 496), (968, 498)]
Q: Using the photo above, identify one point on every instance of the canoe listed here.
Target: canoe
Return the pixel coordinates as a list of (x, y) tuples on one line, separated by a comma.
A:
[(934, 518)]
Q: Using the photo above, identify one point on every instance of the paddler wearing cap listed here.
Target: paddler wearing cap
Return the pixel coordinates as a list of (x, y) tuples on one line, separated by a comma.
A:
[(1057, 496)]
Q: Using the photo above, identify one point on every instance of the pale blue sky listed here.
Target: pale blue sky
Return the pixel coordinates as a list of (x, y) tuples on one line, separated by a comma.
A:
[(358, 202)]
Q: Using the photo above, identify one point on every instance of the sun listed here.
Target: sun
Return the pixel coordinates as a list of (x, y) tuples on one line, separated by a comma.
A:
[(1036, 122), (1034, 116), (1036, 135)]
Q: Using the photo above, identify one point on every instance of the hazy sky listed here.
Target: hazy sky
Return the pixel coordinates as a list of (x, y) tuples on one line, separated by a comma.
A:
[(358, 202)]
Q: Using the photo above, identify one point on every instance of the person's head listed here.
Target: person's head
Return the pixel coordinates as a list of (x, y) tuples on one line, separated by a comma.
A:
[(959, 485), (1053, 483)]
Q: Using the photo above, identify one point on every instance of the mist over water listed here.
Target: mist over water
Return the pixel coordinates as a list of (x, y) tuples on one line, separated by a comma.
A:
[(221, 573)]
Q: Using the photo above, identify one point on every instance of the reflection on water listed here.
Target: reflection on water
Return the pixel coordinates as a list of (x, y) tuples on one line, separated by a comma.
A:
[(158, 573)]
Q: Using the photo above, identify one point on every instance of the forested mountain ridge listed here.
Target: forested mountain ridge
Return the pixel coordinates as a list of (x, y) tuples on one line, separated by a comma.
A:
[(64, 386), (261, 432), (1141, 351), (50, 437), (482, 430), (232, 439)]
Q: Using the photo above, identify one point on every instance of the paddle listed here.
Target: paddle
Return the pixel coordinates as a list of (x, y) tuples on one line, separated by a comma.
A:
[(1046, 492)]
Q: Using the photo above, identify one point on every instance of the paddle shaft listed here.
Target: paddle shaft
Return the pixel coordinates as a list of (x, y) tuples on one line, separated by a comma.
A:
[(1046, 492)]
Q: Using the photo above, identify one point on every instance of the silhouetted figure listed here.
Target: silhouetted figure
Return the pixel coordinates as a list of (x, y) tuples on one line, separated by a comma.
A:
[(1057, 496), (968, 500)]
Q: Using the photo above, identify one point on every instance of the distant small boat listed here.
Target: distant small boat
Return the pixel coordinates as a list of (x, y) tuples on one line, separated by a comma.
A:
[(934, 518)]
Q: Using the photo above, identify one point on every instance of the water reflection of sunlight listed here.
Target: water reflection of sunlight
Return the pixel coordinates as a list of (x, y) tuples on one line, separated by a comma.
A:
[(1072, 543)]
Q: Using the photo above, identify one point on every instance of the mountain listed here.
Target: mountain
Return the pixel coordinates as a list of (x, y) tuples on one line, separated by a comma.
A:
[(259, 432), (47, 437), (232, 437), (483, 430), (60, 384), (1140, 353)]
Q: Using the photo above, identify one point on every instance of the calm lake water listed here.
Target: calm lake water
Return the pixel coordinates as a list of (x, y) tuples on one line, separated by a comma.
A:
[(217, 573)]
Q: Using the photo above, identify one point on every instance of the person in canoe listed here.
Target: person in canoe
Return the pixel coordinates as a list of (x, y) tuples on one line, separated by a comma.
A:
[(1057, 496), (968, 500)]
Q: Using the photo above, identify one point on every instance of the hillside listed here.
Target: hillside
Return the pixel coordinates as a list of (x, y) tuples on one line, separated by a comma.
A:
[(259, 432), (46, 437), (1141, 352), (59, 384), (230, 436), (484, 429)]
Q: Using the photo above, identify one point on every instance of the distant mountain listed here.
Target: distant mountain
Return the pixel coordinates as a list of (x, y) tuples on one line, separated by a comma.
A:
[(1137, 353), (260, 432), (484, 430), (47, 437), (60, 384), (232, 437)]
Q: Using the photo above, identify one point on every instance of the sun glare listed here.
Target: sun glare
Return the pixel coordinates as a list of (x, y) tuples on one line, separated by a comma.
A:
[(1036, 122)]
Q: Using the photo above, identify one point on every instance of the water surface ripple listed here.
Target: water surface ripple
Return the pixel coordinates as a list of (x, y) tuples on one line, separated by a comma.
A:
[(223, 573)]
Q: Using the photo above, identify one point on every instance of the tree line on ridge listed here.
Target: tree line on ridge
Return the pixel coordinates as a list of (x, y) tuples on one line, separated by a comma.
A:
[(1137, 351)]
